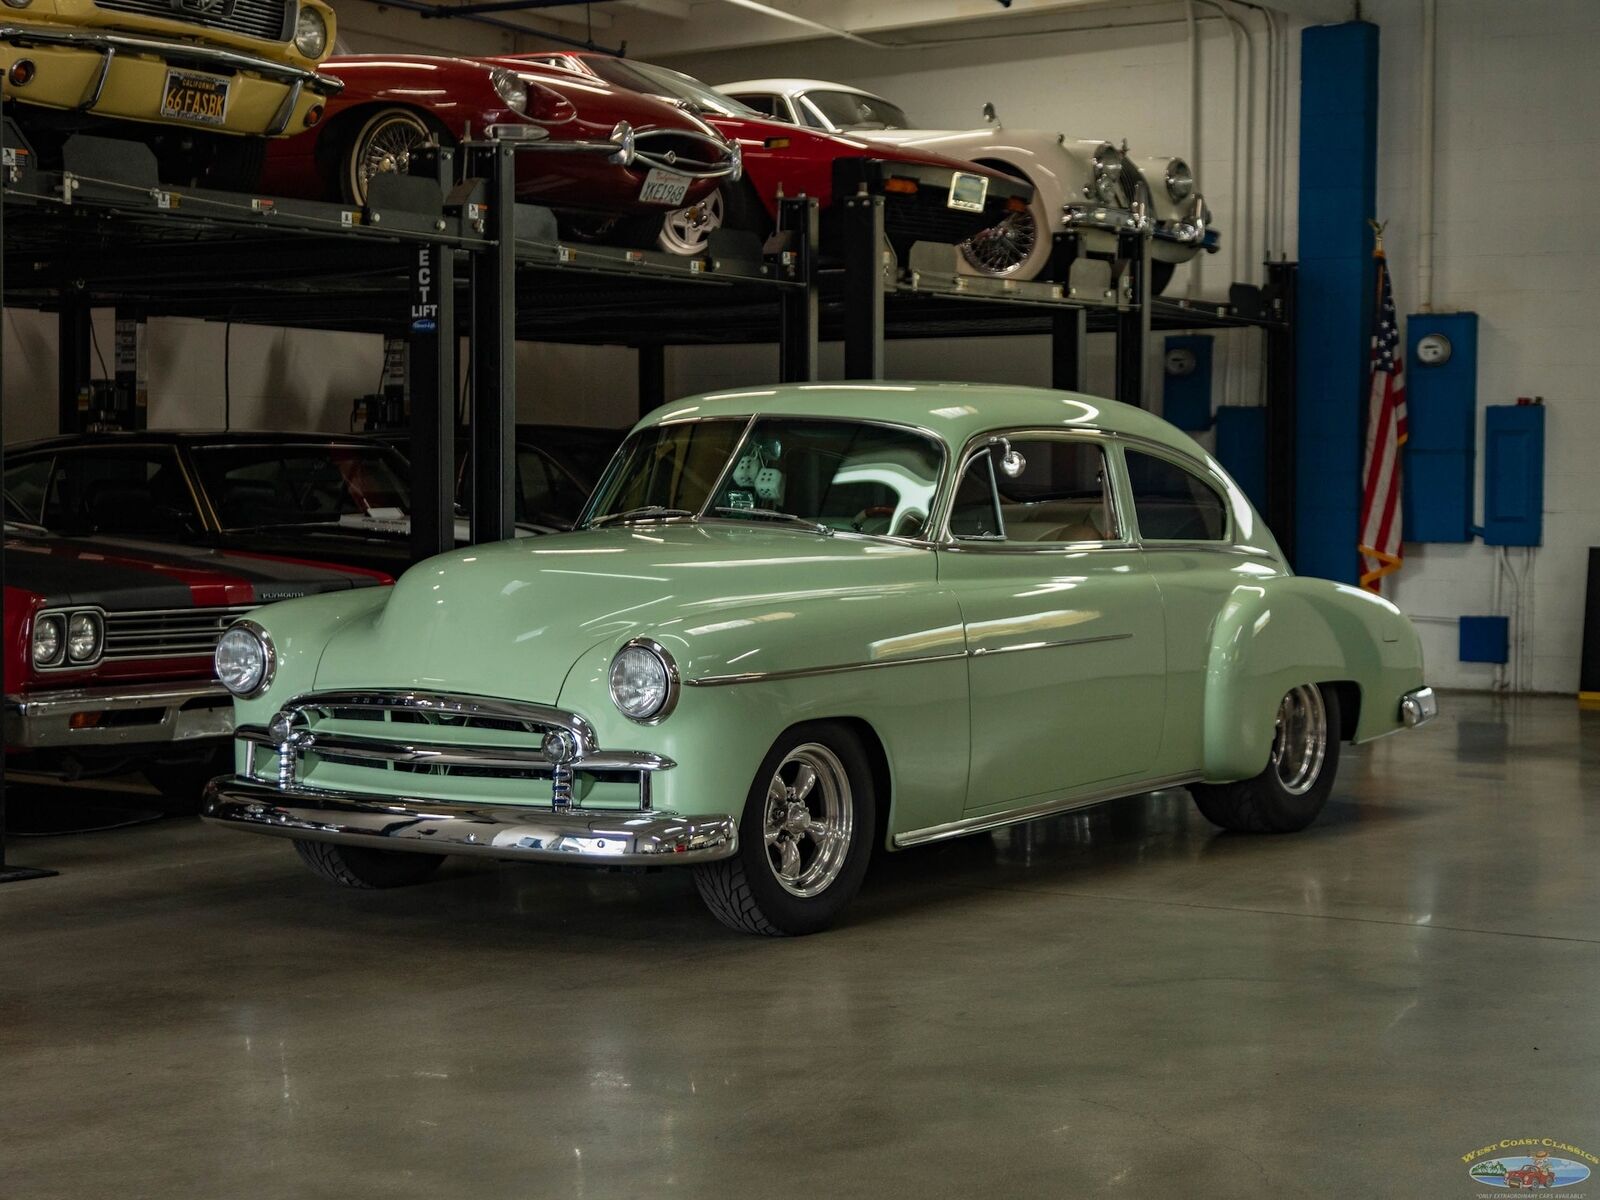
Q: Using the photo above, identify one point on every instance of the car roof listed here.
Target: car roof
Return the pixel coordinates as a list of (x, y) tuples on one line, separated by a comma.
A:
[(192, 437), (955, 412), (794, 85)]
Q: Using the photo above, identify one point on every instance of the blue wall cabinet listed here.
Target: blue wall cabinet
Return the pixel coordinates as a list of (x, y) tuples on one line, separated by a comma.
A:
[(1441, 414), (1513, 474)]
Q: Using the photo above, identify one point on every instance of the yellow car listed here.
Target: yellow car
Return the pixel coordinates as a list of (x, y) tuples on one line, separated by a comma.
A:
[(244, 67)]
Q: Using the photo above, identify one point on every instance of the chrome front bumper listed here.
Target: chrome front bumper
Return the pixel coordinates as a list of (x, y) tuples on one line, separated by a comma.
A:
[(573, 835), (181, 53), (1193, 229), (187, 712), (1418, 707)]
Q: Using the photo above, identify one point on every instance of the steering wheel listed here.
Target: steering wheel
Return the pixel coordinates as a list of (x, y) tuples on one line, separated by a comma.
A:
[(866, 514)]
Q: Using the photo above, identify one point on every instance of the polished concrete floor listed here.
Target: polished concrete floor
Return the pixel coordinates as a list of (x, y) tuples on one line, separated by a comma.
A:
[(1121, 1002)]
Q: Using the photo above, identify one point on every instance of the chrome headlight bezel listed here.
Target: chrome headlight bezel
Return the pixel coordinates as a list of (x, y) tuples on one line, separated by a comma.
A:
[(1180, 180), (311, 33), (61, 623), (259, 679), (513, 92), (18, 3), (670, 685)]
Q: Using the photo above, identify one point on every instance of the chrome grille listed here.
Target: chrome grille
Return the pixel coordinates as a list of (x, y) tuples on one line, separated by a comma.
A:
[(267, 19), (697, 155), (169, 632)]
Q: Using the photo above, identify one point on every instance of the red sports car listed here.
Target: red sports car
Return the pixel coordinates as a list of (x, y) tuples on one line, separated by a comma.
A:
[(591, 147), (928, 197)]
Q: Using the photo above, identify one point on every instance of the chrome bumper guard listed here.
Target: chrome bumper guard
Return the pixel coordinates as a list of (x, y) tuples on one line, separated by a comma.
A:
[(1192, 229), (1418, 707), (44, 720), (591, 836)]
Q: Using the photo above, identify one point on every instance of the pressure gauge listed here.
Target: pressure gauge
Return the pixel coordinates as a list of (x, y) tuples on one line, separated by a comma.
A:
[(1433, 350), (1181, 362)]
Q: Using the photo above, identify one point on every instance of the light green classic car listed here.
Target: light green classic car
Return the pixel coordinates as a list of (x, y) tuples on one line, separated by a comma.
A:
[(800, 624)]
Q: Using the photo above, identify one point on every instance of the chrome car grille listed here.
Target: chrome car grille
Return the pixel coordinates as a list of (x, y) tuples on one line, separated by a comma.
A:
[(267, 19), (169, 632), (403, 742), (693, 154)]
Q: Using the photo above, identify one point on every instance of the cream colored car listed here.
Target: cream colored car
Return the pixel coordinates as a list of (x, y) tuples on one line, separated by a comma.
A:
[(1093, 187)]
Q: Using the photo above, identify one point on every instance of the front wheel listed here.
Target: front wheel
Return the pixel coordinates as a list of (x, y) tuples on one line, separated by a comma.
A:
[(687, 231), (360, 867), (804, 838), (382, 144), (1291, 790), (1019, 247)]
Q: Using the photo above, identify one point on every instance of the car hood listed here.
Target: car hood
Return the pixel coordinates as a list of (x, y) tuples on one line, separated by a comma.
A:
[(510, 619)]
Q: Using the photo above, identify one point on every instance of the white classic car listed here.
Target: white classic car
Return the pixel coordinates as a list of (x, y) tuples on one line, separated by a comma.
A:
[(1092, 187)]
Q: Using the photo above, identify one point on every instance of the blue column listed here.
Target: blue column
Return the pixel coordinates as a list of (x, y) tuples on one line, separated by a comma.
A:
[(1338, 170)]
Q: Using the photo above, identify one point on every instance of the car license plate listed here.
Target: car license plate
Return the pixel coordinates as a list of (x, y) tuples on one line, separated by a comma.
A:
[(968, 191), (191, 96), (664, 187)]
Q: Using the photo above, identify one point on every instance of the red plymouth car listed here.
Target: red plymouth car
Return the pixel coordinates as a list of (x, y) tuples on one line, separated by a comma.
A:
[(107, 651), (927, 197), (590, 147)]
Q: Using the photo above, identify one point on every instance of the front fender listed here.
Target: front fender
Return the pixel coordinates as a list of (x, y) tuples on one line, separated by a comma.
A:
[(1284, 632)]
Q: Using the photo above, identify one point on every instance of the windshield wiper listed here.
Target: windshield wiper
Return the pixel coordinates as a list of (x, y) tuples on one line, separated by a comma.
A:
[(814, 526), (647, 510)]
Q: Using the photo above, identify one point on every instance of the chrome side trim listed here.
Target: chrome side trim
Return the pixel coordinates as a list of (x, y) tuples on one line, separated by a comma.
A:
[(504, 757), (1084, 641), (1016, 816), (572, 835), (808, 672)]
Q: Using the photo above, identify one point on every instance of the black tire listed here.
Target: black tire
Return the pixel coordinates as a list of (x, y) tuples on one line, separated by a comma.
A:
[(182, 784), (1160, 275), (744, 892), (359, 867), (1265, 803)]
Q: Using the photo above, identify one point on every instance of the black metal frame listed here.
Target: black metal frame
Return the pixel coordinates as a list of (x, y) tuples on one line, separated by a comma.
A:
[(469, 260)]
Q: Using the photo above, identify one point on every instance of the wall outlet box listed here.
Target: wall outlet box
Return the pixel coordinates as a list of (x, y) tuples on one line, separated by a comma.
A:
[(1485, 639)]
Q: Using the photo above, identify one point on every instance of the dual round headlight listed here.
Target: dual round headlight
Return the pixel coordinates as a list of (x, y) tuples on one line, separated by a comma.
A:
[(245, 660), (67, 639), (310, 32), (509, 87), (1180, 180), (644, 681)]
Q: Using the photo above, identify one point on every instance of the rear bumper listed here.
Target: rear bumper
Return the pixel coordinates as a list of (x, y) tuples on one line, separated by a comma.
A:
[(112, 718), (590, 836), (124, 76)]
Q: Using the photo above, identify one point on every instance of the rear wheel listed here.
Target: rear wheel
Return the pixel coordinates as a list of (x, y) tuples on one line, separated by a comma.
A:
[(1289, 793), (382, 144), (804, 838), (359, 867)]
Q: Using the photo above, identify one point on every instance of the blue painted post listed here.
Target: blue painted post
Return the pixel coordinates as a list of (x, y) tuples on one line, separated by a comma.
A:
[(1338, 173)]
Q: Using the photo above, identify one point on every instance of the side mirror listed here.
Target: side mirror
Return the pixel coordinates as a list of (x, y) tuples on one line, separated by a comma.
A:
[(1012, 463), (989, 113)]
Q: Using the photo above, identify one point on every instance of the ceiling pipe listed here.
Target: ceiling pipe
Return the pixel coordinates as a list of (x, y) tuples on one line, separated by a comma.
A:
[(818, 26)]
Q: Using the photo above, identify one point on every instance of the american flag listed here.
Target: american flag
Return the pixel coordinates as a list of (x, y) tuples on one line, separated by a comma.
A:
[(1386, 433)]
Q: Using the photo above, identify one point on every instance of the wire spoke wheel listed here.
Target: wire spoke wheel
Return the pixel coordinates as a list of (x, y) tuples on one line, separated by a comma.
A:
[(1300, 740), (808, 820), (687, 231), (1002, 249), (385, 146)]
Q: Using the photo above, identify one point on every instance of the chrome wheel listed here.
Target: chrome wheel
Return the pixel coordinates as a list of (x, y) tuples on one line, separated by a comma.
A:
[(1300, 740), (385, 146), (1004, 248), (687, 231), (808, 820)]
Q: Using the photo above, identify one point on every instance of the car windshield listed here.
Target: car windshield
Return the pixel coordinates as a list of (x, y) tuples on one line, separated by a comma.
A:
[(833, 475), (252, 486), (852, 110), (660, 81)]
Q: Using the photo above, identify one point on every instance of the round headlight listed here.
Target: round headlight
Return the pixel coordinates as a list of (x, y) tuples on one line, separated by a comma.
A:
[(48, 635), (310, 33), (1180, 180), (18, 3), (644, 681), (244, 660), (83, 637), (510, 88)]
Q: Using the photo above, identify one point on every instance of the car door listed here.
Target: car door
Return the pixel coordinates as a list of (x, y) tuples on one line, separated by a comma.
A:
[(1185, 521), (1063, 624)]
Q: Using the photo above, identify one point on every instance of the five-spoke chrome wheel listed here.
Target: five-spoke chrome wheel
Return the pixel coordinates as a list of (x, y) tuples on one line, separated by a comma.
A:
[(687, 231), (809, 818), (1300, 739)]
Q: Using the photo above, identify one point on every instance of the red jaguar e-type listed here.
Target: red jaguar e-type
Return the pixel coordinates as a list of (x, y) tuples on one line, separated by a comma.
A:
[(589, 146)]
